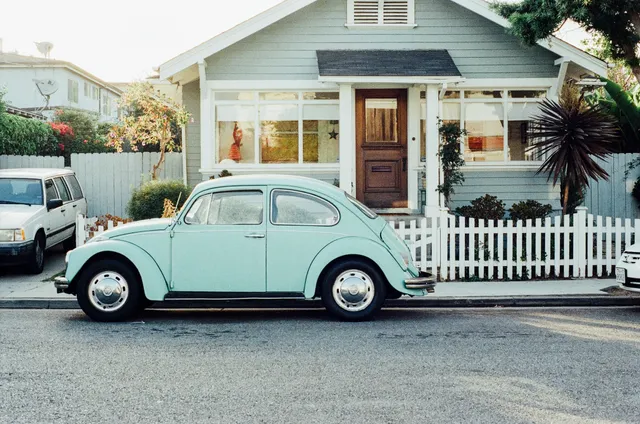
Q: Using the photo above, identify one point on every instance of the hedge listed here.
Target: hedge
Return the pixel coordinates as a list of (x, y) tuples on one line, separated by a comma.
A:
[(23, 136)]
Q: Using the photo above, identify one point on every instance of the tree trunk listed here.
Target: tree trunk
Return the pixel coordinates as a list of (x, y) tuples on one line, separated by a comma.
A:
[(565, 198), (156, 167)]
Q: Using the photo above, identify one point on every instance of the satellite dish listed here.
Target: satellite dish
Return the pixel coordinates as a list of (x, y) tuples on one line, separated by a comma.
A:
[(46, 87), (45, 48)]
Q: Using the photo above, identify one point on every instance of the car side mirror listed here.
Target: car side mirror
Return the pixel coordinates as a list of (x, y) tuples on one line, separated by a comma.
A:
[(54, 204)]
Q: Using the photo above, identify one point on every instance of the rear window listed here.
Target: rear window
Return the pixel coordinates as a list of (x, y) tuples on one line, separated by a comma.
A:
[(365, 210)]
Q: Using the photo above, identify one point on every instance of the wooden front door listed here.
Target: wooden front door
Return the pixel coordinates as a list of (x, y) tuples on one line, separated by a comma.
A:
[(381, 148)]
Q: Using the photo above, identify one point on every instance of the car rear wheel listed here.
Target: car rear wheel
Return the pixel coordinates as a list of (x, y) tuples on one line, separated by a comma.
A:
[(353, 291), (109, 290), (36, 261)]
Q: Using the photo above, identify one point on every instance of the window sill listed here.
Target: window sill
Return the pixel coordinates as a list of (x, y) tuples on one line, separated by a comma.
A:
[(381, 26)]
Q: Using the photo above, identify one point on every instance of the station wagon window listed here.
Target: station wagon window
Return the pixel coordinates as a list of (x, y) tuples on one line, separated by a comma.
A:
[(50, 190), (62, 189), (296, 208), (74, 186)]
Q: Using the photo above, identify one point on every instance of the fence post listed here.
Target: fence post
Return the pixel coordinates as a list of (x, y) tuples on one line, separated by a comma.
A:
[(443, 236), (80, 236), (580, 242)]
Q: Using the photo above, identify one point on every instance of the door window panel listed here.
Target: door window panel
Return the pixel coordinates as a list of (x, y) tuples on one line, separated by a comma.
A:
[(74, 186), (50, 190), (236, 208), (62, 189), (295, 208), (381, 120)]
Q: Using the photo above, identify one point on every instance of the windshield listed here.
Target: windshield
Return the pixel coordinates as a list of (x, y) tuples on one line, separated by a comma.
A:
[(365, 210), (20, 191)]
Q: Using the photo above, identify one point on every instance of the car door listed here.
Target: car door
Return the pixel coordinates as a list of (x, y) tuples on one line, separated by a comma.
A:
[(69, 223), (300, 225), (219, 246), (54, 217)]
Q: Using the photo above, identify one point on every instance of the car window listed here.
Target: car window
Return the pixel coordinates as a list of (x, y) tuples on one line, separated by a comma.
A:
[(199, 211), (74, 186), (50, 190), (297, 208), (24, 191), (236, 208), (62, 189)]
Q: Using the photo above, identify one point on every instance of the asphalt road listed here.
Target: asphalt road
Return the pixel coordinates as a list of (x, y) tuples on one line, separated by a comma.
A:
[(409, 366)]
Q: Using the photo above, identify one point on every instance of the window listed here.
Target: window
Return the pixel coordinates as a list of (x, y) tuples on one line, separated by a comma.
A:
[(74, 186), (106, 105), (19, 190), (50, 190), (381, 120), (227, 208), (72, 91), (277, 127), (86, 89), (297, 208), (94, 93), (381, 12), (199, 212), (62, 189)]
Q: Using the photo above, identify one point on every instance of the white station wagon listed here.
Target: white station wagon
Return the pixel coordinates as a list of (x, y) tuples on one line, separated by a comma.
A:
[(38, 209)]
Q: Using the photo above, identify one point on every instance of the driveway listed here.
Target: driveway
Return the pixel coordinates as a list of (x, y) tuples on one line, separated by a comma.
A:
[(15, 279)]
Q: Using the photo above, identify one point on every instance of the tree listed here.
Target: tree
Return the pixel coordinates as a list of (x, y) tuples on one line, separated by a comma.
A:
[(451, 159), (570, 137), (148, 118), (617, 21)]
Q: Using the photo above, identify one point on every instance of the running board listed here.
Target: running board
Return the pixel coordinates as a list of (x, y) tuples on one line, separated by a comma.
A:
[(177, 295)]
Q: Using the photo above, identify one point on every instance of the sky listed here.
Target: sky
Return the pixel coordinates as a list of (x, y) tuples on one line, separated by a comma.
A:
[(124, 40)]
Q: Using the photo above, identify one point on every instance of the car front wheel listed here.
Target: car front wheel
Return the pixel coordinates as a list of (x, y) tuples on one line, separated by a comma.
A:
[(36, 261), (109, 290), (353, 291)]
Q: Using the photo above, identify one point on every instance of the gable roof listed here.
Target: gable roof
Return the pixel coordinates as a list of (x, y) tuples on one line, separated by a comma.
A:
[(288, 7), (14, 60)]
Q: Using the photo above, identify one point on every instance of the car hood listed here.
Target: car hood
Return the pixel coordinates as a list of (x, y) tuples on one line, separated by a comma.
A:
[(138, 227), (15, 216)]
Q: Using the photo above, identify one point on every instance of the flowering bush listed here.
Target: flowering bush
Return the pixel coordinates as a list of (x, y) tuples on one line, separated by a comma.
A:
[(64, 134)]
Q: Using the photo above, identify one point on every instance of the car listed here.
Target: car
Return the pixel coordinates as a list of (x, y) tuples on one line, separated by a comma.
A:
[(628, 269), (248, 237), (38, 209)]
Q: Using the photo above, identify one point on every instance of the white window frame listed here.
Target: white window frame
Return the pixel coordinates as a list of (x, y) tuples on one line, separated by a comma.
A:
[(72, 91), (411, 18)]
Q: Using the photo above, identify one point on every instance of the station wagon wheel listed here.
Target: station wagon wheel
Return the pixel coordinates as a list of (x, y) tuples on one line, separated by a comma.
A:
[(36, 261), (353, 290), (109, 290)]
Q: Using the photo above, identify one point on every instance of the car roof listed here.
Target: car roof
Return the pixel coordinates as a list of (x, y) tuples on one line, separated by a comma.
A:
[(289, 181), (34, 172)]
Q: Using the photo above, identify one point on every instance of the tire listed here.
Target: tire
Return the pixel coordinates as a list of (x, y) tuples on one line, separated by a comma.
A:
[(108, 290), (70, 243), (35, 265), (353, 291)]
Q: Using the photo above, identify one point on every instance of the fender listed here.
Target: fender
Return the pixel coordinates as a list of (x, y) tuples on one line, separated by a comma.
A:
[(363, 247), (153, 281)]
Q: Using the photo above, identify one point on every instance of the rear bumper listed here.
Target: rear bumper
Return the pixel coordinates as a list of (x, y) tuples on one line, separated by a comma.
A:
[(15, 253), (61, 284), (423, 282)]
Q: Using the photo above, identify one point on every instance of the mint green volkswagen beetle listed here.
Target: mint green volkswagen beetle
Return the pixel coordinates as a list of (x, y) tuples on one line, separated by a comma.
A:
[(248, 237)]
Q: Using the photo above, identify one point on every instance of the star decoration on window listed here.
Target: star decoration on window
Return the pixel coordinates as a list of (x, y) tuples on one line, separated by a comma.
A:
[(333, 134)]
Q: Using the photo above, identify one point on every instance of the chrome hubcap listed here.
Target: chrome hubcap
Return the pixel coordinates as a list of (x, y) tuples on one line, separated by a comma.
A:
[(108, 291), (353, 290)]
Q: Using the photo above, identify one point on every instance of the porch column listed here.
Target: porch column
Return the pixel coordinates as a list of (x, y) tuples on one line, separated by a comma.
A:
[(413, 146), (206, 117), (347, 138), (433, 142)]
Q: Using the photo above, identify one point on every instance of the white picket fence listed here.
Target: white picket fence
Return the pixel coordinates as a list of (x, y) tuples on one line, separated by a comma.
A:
[(8, 162), (455, 248)]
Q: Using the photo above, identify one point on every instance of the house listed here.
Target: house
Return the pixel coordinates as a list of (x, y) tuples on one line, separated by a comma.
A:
[(351, 91), (72, 86)]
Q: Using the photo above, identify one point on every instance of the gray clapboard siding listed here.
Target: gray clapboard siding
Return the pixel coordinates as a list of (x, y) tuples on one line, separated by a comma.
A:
[(613, 197), (286, 49), (509, 186), (8, 162), (191, 101)]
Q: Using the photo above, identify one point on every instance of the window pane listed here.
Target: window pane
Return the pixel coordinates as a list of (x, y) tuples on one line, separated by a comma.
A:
[(236, 133), (381, 120), (198, 213), (73, 184), (452, 95), (519, 115), (279, 96), (321, 95), (484, 123), (62, 190), (279, 133), (20, 190), (321, 133), (234, 95), (50, 190), (294, 208), (528, 94), (483, 94), (236, 208)]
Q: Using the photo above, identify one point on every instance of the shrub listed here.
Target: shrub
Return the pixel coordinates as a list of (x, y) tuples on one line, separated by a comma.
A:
[(486, 207), (530, 209), (84, 124), (23, 136), (148, 201), (636, 190)]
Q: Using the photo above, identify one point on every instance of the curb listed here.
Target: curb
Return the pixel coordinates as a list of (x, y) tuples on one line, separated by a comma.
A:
[(444, 302)]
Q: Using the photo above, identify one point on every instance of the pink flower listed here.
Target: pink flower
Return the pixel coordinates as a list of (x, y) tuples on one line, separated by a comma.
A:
[(85, 142)]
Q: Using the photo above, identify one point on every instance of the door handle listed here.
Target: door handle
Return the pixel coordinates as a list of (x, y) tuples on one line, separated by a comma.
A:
[(62, 210), (75, 206), (255, 236)]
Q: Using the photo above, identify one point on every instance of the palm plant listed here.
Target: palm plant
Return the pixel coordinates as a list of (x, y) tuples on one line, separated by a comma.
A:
[(571, 138)]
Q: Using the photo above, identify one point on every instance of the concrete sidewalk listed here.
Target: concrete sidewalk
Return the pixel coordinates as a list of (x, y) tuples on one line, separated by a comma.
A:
[(38, 294)]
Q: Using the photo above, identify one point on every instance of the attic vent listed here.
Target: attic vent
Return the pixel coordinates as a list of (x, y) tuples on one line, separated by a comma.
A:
[(381, 12)]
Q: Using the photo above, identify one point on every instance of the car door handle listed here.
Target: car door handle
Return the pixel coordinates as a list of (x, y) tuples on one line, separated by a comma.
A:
[(255, 236), (62, 210), (75, 206)]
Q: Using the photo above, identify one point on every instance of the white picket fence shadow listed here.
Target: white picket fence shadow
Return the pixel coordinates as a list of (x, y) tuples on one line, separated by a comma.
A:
[(454, 248)]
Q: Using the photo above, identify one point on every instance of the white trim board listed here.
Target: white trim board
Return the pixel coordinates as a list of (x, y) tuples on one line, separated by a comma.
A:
[(288, 7)]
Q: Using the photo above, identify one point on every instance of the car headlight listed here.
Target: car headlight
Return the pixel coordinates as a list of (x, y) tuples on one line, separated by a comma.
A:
[(12, 235)]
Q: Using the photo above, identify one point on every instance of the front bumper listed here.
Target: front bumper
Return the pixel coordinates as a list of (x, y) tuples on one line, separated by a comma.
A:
[(15, 253), (61, 284), (424, 281)]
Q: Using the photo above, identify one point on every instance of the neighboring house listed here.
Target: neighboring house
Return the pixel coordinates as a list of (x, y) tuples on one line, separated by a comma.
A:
[(77, 88), (351, 91)]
